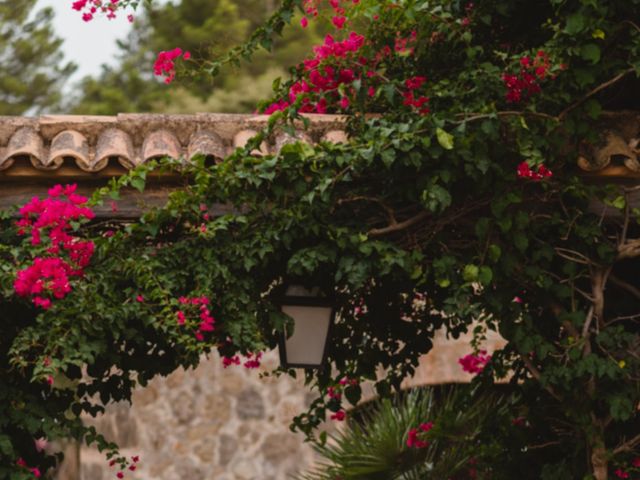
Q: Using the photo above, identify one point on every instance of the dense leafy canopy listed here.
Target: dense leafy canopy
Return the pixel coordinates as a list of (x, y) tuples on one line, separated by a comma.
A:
[(423, 220)]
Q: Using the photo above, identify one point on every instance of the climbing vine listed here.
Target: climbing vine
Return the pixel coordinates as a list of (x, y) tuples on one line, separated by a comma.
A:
[(456, 203)]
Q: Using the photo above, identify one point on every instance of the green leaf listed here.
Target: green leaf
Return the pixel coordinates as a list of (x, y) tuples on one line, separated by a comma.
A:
[(436, 198), (619, 202), (445, 139), (494, 253), (353, 393), (575, 24), (388, 156), (5, 445), (521, 241), (485, 275), (590, 52), (138, 183), (470, 273)]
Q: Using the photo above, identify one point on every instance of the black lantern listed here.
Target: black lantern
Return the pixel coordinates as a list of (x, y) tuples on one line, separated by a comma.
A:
[(312, 316)]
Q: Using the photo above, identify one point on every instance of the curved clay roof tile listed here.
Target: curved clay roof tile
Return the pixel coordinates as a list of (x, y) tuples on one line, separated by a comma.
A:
[(25, 141), (113, 142), (69, 143), (205, 142), (159, 144), (335, 136), (285, 139)]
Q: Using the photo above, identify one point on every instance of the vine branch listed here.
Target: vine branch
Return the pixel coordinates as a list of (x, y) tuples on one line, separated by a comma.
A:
[(593, 92)]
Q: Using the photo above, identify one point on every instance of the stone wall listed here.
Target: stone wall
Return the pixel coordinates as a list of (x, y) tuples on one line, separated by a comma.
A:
[(213, 423)]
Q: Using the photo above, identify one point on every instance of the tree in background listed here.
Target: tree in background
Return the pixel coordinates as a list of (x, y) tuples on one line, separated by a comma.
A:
[(207, 29), (33, 68)]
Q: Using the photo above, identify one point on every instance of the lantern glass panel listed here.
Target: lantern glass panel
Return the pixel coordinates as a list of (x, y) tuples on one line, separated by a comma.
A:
[(311, 326)]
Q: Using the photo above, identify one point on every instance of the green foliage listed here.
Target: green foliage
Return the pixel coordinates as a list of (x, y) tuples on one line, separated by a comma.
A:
[(208, 29), (419, 222), (33, 70), (374, 443)]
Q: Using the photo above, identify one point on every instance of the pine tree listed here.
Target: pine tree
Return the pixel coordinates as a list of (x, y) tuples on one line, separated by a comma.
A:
[(33, 68)]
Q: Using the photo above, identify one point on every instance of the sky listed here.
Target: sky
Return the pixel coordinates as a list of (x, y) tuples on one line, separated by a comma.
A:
[(87, 44)]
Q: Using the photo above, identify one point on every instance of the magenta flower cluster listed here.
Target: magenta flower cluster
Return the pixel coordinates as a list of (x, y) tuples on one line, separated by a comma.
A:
[(165, 64), (524, 171), (33, 470), (251, 362), (526, 83), (474, 364), (329, 78), (89, 8), (416, 436), (335, 393), (204, 322), (49, 222)]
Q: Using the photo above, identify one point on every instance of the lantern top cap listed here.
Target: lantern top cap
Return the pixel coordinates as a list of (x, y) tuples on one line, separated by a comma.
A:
[(301, 291)]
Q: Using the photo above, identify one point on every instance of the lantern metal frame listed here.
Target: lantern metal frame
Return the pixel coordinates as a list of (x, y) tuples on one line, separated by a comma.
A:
[(306, 301)]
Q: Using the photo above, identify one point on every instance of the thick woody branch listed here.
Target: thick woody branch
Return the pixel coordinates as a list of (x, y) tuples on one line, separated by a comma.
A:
[(396, 227), (595, 91), (628, 445), (630, 249), (599, 277), (572, 256)]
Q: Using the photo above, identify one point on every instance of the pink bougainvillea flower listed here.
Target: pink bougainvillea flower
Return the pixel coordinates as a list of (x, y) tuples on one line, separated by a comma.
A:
[(338, 22), (414, 83), (636, 462), (412, 437), (304, 22), (228, 361), (524, 171), (165, 63), (334, 393), (253, 360), (40, 444), (348, 381), (140, 299), (526, 83), (518, 421), (474, 364), (621, 473), (339, 416)]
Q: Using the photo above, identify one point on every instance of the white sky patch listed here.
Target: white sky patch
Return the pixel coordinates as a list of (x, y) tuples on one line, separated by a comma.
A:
[(87, 44)]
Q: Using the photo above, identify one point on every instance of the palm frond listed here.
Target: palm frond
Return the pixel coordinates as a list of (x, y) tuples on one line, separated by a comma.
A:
[(373, 445)]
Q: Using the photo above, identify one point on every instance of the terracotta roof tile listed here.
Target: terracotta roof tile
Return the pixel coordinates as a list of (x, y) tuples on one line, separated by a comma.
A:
[(91, 142)]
